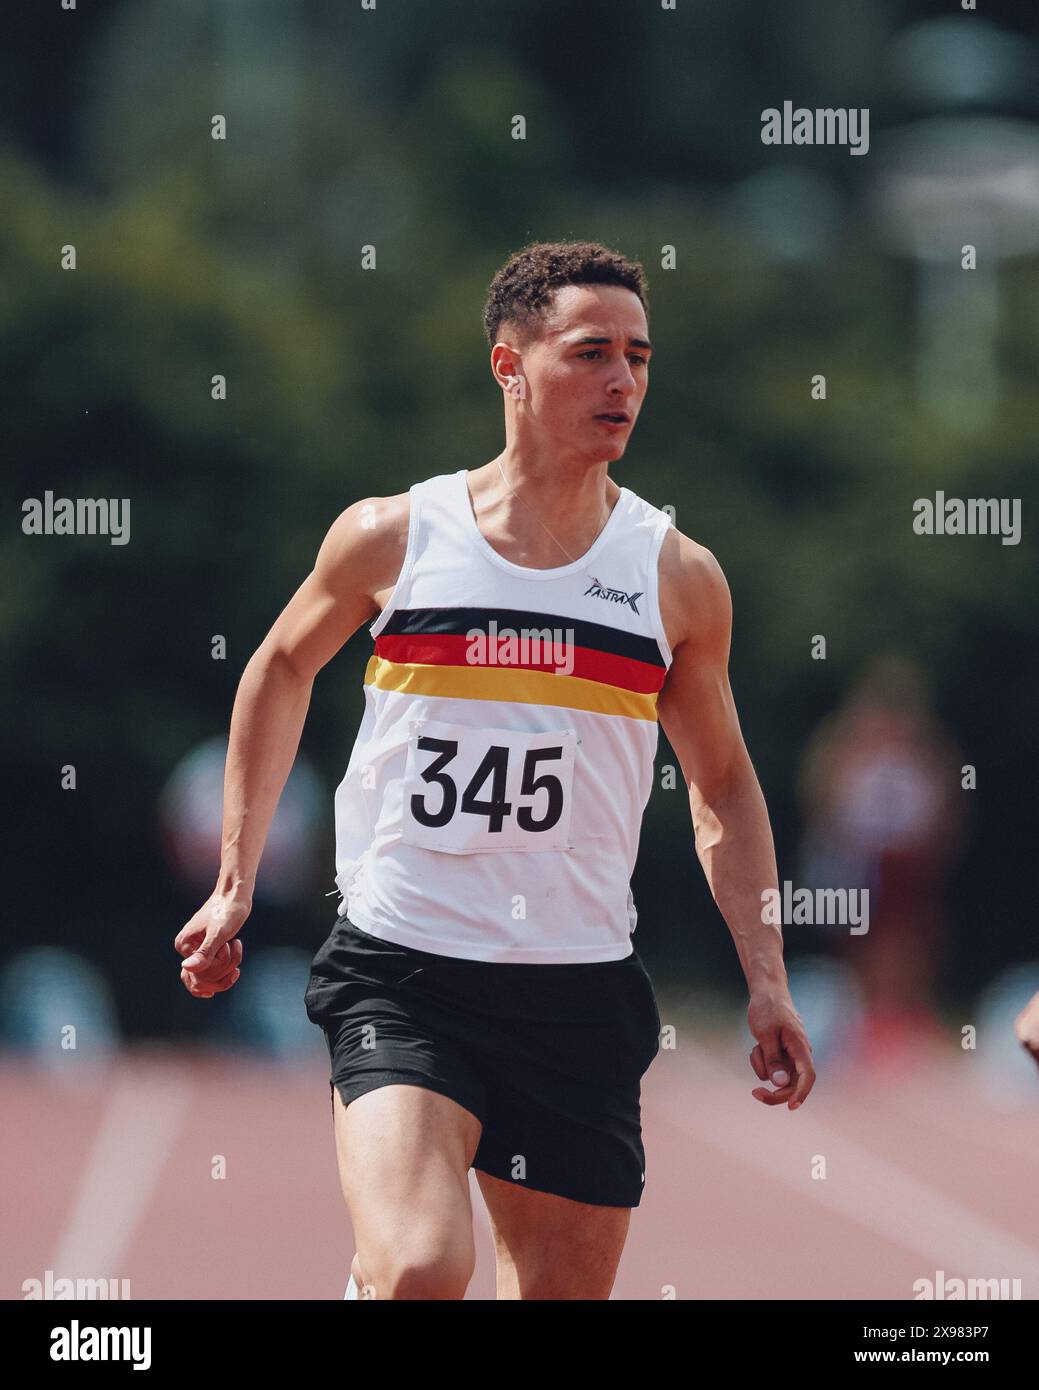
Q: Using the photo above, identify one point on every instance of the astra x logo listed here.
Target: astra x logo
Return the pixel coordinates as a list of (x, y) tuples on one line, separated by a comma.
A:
[(600, 590)]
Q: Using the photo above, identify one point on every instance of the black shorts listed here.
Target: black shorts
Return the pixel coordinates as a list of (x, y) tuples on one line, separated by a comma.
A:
[(549, 1058)]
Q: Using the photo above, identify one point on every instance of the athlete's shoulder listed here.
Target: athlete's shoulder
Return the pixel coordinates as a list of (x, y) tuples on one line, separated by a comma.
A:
[(694, 594), (374, 531), (645, 512), (368, 538)]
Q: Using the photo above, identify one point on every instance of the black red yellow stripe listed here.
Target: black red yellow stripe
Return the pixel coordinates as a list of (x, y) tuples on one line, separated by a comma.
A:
[(431, 651)]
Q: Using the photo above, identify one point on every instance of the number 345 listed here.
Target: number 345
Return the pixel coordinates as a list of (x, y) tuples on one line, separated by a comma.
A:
[(493, 767)]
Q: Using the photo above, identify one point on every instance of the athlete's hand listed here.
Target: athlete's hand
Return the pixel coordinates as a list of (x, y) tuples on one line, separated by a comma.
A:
[(212, 954), (783, 1054), (1026, 1026)]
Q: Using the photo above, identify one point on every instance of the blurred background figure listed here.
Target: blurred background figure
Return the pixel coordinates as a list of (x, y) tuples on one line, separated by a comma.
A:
[(882, 801), (191, 813)]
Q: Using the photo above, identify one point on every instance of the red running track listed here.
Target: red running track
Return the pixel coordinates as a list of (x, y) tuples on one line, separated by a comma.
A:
[(924, 1171)]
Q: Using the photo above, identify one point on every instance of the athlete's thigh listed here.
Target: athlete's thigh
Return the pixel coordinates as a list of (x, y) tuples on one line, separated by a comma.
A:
[(403, 1154), (551, 1247)]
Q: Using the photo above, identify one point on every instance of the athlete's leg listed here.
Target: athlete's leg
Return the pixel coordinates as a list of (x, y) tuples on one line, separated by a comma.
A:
[(551, 1247), (404, 1154)]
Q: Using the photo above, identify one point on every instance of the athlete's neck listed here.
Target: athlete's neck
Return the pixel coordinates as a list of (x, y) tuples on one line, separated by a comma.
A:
[(573, 505)]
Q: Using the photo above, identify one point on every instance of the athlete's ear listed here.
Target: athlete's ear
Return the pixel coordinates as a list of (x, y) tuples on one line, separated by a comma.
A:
[(507, 371)]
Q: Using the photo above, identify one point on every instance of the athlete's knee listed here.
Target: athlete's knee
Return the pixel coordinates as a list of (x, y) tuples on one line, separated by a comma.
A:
[(435, 1279), (550, 1286), (440, 1273)]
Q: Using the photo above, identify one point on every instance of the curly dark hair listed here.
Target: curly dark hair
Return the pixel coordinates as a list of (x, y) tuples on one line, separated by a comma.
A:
[(523, 288)]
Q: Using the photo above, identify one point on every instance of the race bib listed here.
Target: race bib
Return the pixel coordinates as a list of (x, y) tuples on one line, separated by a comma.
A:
[(468, 791)]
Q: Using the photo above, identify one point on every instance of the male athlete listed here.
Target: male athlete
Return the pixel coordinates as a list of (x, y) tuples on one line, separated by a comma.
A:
[(479, 993)]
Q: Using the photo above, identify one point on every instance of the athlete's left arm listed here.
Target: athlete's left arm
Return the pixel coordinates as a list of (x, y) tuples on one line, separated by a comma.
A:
[(730, 820)]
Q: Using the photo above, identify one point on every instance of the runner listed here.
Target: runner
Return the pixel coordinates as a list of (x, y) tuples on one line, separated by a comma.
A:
[(480, 994)]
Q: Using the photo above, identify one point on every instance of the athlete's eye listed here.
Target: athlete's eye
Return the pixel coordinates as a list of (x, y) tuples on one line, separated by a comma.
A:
[(597, 352)]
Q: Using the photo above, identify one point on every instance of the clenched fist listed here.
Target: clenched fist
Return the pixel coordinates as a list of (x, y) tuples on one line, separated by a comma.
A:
[(212, 954)]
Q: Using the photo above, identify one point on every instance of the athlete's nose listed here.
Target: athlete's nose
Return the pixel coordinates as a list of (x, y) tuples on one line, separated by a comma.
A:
[(627, 385)]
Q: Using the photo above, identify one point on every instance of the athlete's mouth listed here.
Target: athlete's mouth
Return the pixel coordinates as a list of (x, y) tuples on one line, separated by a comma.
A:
[(617, 417)]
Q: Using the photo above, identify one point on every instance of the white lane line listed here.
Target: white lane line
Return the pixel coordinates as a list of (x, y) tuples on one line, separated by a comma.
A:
[(476, 1198), (860, 1185), (1012, 1133), (143, 1117)]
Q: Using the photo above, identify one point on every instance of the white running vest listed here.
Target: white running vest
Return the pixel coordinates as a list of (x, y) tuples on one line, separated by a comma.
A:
[(493, 800)]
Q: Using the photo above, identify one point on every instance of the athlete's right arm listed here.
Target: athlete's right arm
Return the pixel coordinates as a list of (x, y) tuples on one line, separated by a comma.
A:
[(360, 555)]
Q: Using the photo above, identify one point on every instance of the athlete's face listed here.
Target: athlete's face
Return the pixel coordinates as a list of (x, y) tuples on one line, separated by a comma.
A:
[(590, 361)]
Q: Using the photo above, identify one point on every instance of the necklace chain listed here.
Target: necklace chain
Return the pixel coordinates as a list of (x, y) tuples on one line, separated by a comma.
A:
[(534, 514)]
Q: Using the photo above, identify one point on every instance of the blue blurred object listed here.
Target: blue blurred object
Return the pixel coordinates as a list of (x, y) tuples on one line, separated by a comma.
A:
[(266, 1009), (940, 62), (787, 214), (1005, 1070), (58, 1006), (827, 997)]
